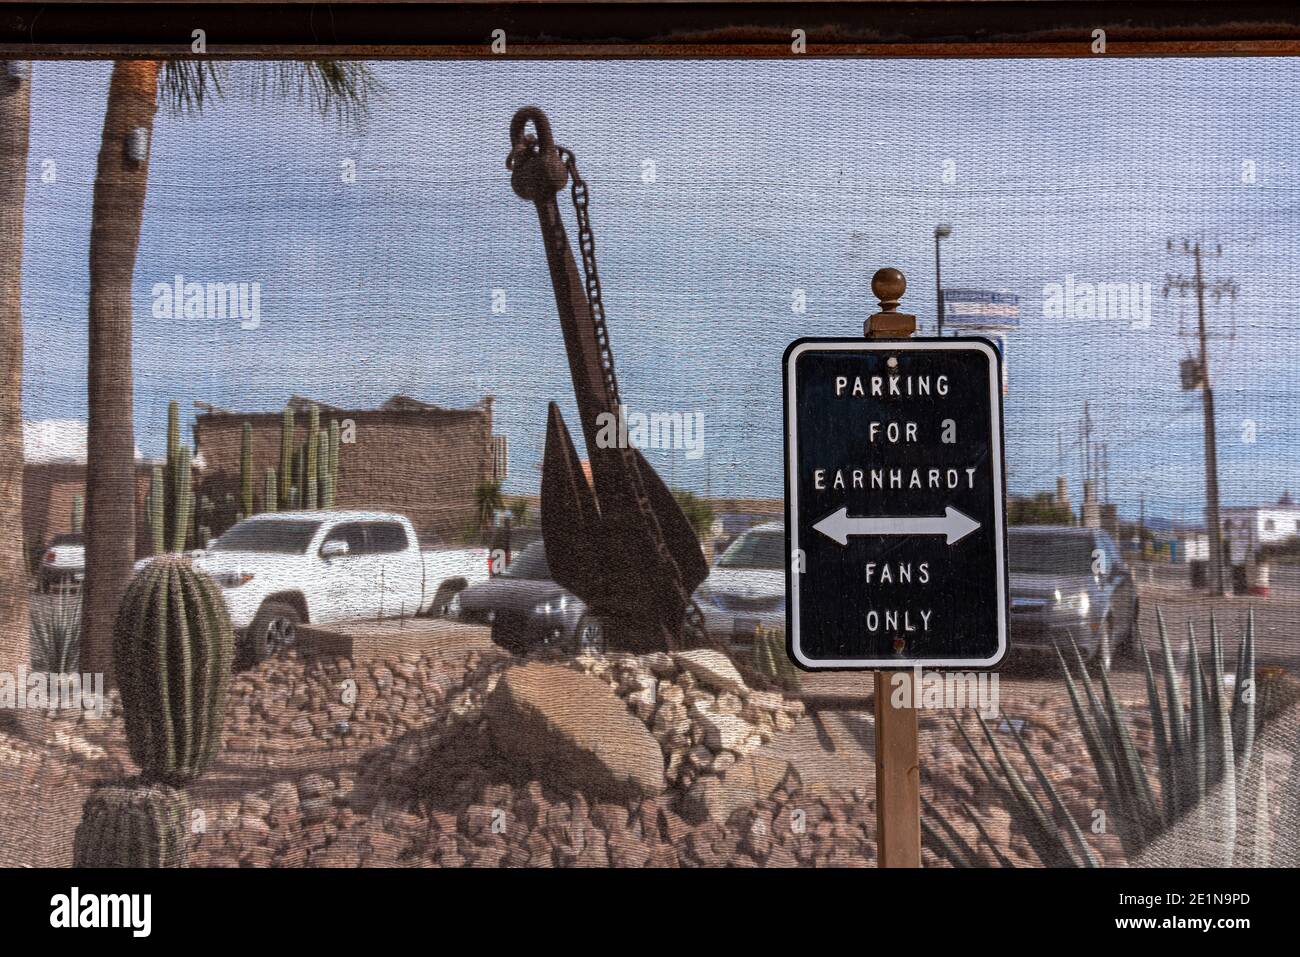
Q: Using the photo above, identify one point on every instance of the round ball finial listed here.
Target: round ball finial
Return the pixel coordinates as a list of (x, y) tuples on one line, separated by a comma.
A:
[(888, 285)]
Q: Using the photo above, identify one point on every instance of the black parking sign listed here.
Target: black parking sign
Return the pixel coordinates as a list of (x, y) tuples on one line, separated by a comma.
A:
[(895, 503)]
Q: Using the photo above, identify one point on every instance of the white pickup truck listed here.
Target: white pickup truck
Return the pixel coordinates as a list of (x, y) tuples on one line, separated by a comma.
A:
[(279, 569)]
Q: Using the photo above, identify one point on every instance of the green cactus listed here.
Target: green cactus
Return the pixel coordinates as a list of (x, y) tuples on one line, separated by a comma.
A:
[(311, 455), (173, 429), (334, 463), (154, 504), (177, 499), (78, 513), (286, 455), (182, 500), (323, 469), (246, 470), (172, 650), (132, 825), (270, 499)]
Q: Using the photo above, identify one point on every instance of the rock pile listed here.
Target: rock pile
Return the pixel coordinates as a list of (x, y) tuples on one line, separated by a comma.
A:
[(706, 720), (482, 759)]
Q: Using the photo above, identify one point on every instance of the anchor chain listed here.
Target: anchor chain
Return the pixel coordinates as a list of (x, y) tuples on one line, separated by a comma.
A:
[(587, 248)]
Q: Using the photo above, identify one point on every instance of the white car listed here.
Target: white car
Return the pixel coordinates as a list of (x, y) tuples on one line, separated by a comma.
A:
[(280, 569), (746, 587), (63, 562)]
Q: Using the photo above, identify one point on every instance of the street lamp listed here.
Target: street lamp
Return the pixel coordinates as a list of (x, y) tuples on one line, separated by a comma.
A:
[(942, 231)]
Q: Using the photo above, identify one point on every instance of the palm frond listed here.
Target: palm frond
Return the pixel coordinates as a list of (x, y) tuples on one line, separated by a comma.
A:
[(338, 88), (185, 86)]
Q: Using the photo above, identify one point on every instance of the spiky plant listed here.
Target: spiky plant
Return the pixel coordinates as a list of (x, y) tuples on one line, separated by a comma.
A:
[(332, 446), (1203, 747), (172, 648), (246, 469), (286, 456), (155, 505), (488, 500), (270, 498), (56, 634), (310, 457), (325, 498), (132, 824), (772, 662)]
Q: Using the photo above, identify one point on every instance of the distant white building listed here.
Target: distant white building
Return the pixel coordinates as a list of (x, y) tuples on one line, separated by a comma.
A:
[(1248, 527), (56, 441)]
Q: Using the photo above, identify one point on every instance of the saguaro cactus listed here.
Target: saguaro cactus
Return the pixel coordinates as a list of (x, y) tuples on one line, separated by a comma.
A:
[(172, 648), (182, 500), (311, 454), (246, 470), (286, 455), (154, 505), (177, 498), (173, 429), (323, 469), (334, 462), (270, 499), (132, 825)]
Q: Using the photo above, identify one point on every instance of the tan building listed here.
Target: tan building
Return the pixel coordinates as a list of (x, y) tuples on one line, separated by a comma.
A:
[(422, 460), (54, 477)]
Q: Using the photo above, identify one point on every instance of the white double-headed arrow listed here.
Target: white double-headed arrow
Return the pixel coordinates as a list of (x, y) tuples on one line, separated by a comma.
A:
[(954, 526)]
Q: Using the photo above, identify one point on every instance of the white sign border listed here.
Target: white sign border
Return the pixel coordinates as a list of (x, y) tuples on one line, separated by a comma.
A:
[(795, 350)]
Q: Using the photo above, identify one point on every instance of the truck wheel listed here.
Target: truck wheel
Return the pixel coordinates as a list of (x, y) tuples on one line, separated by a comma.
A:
[(274, 630), (589, 636)]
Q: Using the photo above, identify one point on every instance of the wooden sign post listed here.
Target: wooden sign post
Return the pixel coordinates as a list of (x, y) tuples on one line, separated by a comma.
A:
[(895, 522), (898, 766)]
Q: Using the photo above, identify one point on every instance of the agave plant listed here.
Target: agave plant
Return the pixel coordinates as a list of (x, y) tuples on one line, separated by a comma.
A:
[(1204, 753), (772, 663), (56, 634)]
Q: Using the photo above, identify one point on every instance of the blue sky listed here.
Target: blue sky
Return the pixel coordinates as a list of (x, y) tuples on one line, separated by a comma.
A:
[(769, 177)]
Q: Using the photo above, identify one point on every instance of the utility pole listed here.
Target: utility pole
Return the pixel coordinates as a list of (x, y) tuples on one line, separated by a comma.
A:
[(1214, 532), (1142, 525)]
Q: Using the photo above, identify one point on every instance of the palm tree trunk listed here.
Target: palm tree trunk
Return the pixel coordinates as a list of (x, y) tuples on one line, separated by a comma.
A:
[(116, 217), (15, 103)]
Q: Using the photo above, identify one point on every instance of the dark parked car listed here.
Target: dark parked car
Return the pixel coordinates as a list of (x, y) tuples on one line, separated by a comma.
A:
[(527, 609), (1069, 581)]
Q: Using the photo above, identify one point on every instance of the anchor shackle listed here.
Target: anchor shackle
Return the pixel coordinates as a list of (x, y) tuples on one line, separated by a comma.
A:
[(536, 167)]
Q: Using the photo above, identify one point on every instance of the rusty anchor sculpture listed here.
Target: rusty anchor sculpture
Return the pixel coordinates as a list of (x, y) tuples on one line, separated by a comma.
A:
[(619, 540)]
